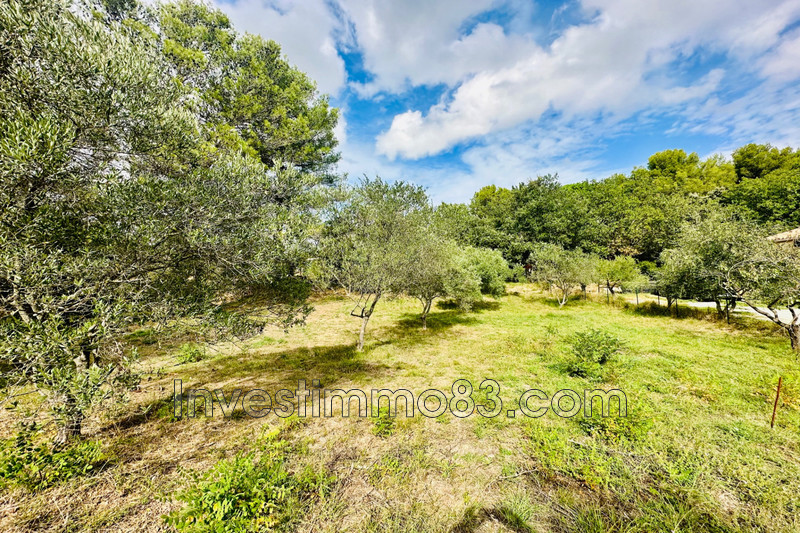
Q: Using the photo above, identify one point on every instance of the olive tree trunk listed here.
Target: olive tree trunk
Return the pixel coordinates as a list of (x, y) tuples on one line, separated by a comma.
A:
[(69, 428), (426, 308), (794, 336), (366, 313)]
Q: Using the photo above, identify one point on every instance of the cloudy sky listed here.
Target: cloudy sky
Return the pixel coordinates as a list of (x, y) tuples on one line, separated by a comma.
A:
[(457, 94)]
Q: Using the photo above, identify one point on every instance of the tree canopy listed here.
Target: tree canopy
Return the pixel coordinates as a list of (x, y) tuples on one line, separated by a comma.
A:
[(122, 199)]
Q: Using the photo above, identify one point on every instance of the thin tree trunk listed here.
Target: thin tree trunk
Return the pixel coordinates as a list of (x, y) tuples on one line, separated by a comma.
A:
[(362, 331), (71, 426), (366, 314), (69, 432), (425, 310), (792, 328)]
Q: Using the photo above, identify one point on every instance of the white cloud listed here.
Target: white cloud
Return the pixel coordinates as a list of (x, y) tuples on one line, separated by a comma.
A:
[(766, 114), (305, 30), (540, 99), (609, 65), (420, 42), (505, 159), (784, 63)]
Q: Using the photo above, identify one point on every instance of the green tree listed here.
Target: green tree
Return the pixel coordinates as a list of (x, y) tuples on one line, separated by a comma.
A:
[(772, 199), (697, 266), (767, 278), (249, 96), (365, 241), (724, 255), (562, 269), (490, 267), (753, 161), (554, 265), (616, 272), (435, 267), (116, 211), (458, 223)]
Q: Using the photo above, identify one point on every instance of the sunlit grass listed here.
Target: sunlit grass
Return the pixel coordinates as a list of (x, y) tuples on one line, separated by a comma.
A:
[(695, 454)]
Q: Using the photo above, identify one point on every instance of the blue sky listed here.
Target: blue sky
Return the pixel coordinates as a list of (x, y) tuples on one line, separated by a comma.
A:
[(458, 94)]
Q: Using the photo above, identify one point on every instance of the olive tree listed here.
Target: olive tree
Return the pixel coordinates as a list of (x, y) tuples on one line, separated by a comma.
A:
[(566, 270), (696, 267), (721, 256), (491, 268), (615, 272), (767, 278), (364, 244), (436, 267), (554, 266), (117, 209)]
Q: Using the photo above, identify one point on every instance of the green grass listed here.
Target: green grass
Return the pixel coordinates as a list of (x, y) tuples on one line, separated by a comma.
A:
[(696, 452)]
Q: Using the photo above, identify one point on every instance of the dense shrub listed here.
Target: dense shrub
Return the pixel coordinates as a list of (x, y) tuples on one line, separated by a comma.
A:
[(591, 350), (251, 492), (491, 268)]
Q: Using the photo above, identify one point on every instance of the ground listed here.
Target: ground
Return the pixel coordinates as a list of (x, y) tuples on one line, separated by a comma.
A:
[(695, 453)]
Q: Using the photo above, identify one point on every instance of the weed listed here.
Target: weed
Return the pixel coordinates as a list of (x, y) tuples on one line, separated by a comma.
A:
[(250, 492), (632, 427), (190, 353), (384, 424), (26, 461)]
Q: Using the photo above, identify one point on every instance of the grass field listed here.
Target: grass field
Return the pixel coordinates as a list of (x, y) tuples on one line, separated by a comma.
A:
[(695, 453)]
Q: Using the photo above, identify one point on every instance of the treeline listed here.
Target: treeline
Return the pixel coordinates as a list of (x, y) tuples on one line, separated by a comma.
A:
[(638, 215)]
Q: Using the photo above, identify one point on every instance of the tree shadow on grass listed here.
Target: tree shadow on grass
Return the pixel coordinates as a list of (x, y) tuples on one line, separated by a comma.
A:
[(158, 408), (408, 328), (573, 301), (271, 372), (283, 369), (477, 307), (682, 312)]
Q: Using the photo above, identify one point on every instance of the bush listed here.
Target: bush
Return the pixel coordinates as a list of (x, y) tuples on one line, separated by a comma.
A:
[(29, 462), (250, 492), (517, 274), (190, 353), (591, 350), (491, 268)]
